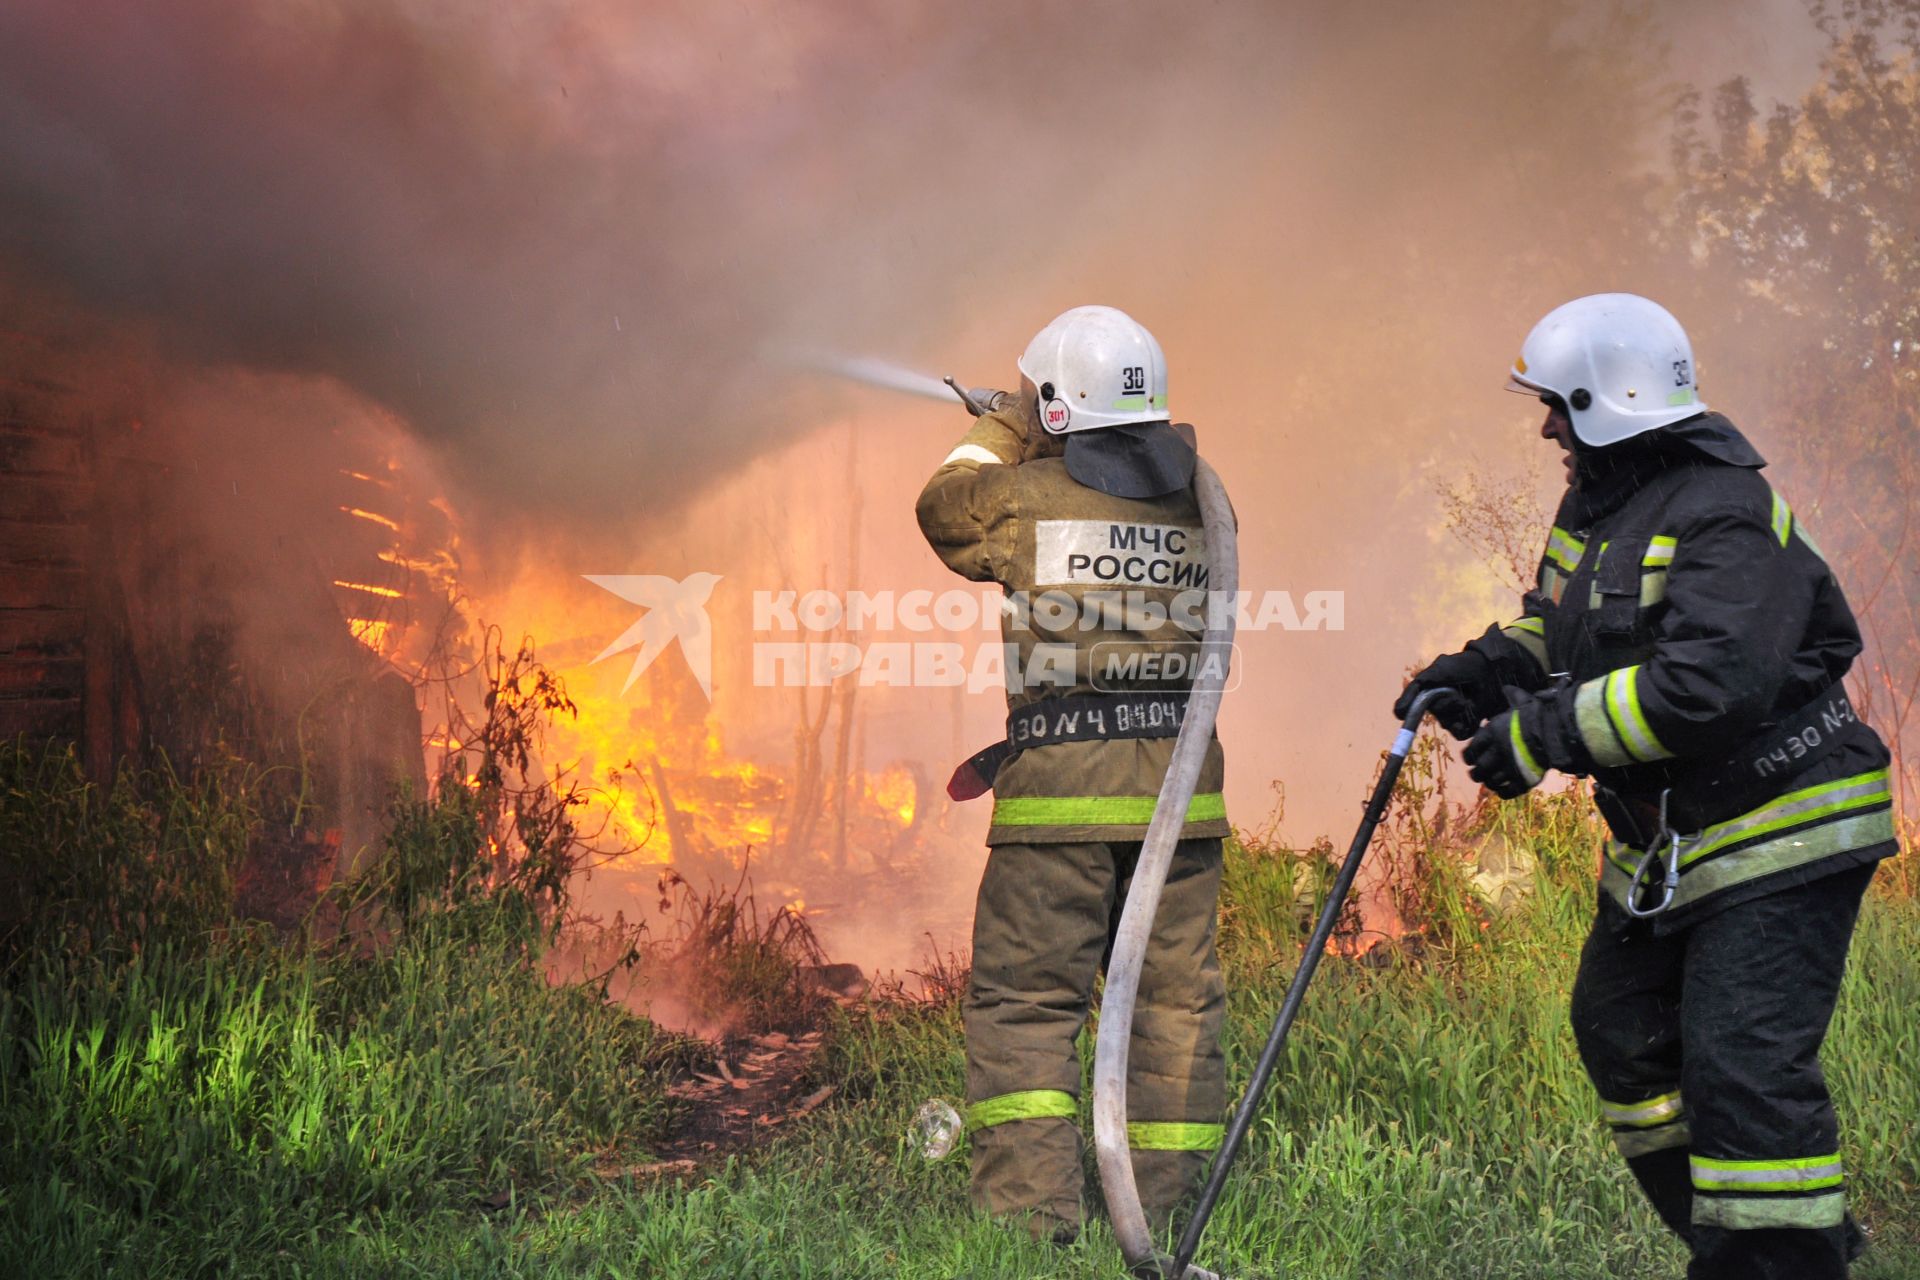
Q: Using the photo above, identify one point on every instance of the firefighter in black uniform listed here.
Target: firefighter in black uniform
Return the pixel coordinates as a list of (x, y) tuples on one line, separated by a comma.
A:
[(1684, 647)]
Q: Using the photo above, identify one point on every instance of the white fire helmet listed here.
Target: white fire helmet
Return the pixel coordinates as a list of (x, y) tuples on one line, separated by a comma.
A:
[(1621, 363), (1096, 367)]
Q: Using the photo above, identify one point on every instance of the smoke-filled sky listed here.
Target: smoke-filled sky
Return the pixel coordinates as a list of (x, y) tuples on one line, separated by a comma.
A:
[(553, 231), (573, 246)]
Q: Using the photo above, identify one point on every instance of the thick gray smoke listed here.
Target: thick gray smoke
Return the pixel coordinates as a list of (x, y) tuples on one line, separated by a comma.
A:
[(549, 231), (562, 236), (560, 241)]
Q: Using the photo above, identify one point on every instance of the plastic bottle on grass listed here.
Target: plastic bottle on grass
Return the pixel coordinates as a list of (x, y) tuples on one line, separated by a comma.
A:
[(936, 1128)]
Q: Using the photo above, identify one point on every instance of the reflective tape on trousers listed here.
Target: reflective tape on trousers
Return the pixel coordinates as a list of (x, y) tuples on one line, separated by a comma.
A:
[(1097, 811)]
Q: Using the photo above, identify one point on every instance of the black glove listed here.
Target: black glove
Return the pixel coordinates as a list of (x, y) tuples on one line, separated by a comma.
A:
[(1506, 757), (1471, 676)]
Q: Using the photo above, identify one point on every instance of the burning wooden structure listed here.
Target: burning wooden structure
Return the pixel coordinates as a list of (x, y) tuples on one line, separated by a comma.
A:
[(120, 635)]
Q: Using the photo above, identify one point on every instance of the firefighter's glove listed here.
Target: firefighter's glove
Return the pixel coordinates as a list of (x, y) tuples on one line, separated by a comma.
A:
[(1477, 692), (1504, 757), (1514, 750)]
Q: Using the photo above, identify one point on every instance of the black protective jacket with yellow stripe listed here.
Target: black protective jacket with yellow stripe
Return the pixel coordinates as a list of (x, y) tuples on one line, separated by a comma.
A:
[(1103, 592), (1682, 620)]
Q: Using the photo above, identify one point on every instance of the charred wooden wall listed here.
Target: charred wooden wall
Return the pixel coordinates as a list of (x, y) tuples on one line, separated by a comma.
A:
[(115, 638), (66, 671)]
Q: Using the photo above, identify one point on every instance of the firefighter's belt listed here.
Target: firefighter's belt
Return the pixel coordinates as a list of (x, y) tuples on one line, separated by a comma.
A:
[(1748, 776), (1078, 717)]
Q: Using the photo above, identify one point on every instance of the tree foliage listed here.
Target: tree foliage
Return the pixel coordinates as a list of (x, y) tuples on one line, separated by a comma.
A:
[(1803, 224)]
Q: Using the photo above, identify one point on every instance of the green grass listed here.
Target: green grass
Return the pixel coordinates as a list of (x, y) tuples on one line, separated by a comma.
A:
[(249, 1106), (246, 1110)]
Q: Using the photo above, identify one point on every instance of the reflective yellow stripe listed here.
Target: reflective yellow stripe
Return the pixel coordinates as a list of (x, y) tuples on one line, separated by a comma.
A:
[(1596, 728), (1804, 805), (1641, 1114), (1621, 857), (1529, 767), (1738, 1213), (1653, 588), (1659, 555), (1841, 835), (1173, 1135), (1643, 1142), (1808, 1173), (1629, 721), (1782, 519), (1553, 583), (1564, 549), (1842, 831), (1530, 635), (1032, 1104), (1097, 811)]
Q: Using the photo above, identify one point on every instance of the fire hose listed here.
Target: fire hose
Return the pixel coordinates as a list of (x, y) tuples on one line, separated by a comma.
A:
[(1149, 878)]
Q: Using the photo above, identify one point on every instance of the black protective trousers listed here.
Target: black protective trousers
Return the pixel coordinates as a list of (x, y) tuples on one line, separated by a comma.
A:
[(1704, 1046)]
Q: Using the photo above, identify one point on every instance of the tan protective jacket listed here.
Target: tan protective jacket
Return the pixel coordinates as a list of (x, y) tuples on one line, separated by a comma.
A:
[(1106, 594)]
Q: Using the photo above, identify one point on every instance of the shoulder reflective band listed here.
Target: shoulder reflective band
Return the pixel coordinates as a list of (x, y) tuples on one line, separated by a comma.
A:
[(1032, 1104), (1659, 552), (1167, 1135), (1564, 549), (1529, 767), (1810, 1173), (1785, 526), (1097, 811), (976, 453)]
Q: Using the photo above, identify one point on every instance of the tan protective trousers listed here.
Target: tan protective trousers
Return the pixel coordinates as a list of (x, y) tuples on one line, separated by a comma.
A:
[(1041, 933)]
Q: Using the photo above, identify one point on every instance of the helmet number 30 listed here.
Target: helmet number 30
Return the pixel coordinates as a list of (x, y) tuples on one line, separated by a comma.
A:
[(1133, 379), (1682, 373)]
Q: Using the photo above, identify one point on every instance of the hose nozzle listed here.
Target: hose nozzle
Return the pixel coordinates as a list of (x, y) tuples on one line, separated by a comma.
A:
[(973, 406)]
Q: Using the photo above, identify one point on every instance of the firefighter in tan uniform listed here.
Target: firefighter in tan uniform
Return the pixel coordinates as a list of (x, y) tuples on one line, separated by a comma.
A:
[(1075, 495)]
